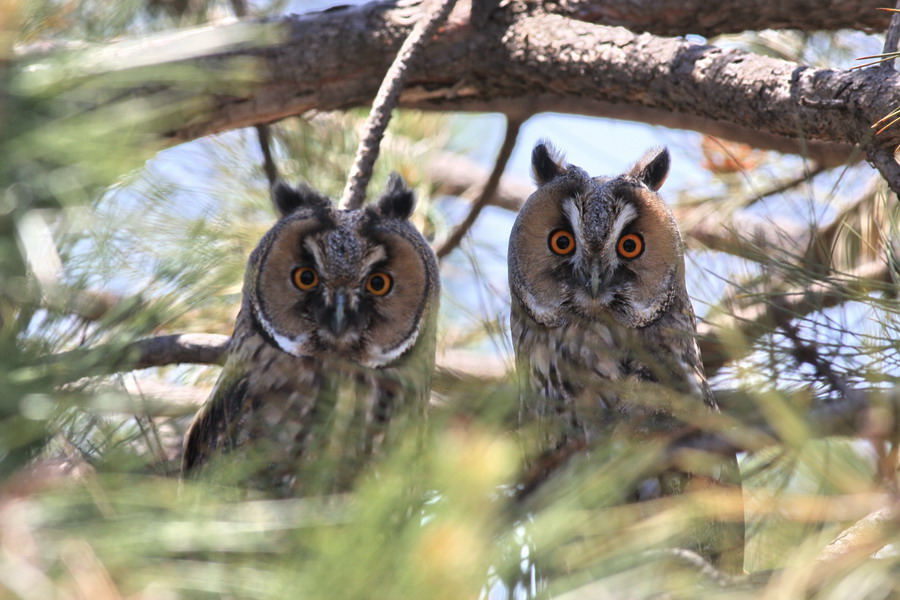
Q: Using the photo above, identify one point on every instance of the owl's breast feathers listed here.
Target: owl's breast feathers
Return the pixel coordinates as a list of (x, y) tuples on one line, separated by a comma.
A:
[(594, 372), (287, 416)]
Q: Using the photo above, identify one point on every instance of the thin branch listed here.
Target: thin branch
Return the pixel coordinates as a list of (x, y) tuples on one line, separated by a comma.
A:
[(513, 125), (265, 143), (203, 348), (159, 351), (385, 101), (749, 323), (805, 177), (455, 175), (262, 130)]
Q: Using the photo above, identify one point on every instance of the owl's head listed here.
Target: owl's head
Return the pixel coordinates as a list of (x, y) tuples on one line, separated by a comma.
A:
[(360, 285), (596, 247)]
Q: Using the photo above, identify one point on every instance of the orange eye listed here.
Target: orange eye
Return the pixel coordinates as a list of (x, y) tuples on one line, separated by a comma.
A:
[(561, 242), (378, 284), (305, 278), (630, 245)]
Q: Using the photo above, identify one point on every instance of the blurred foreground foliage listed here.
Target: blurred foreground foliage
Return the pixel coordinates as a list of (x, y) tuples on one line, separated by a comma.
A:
[(98, 249)]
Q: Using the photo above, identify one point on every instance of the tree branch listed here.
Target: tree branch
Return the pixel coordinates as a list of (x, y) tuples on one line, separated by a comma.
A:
[(527, 62), (265, 146), (661, 17), (455, 175), (385, 100), (488, 191), (883, 159), (730, 336), (859, 541)]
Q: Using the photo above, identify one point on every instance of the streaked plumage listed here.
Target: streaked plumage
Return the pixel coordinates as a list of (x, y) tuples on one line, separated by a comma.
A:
[(332, 348), (601, 320)]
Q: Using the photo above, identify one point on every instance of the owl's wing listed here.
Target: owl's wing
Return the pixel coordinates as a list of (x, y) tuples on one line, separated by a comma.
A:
[(212, 429)]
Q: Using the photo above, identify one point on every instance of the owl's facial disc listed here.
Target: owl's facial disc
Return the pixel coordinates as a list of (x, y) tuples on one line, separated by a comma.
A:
[(342, 285)]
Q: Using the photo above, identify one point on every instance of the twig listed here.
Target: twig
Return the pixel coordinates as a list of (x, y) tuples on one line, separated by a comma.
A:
[(513, 125), (262, 130), (809, 354), (456, 174), (756, 320), (184, 348), (265, 143), (388, 94), (807, 175)]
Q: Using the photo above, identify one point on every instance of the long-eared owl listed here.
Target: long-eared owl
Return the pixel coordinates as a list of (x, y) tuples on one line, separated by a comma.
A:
[(600, 309), (332, 348)]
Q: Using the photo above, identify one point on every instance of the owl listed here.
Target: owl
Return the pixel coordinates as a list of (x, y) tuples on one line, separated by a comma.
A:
[(600, 312), (332, 349)]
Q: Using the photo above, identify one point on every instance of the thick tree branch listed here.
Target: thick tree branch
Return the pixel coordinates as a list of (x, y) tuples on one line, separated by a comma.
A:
[(525, 62), (662, 17), (676, 75)]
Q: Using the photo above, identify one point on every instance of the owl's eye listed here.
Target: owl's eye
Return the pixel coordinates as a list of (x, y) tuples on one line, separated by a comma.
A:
[(378, 284), (630, 245), (305, 278), (561, 242)]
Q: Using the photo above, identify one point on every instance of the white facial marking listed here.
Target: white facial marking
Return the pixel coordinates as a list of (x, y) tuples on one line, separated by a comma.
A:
[(626, 215), (381, 358), (292, 346), (570, 209), (546, 316)]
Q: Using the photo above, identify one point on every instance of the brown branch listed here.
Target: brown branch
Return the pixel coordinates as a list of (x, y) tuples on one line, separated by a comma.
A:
[(661, 17), (883, 159), (385, 101), (199, 348), (455, 175), (159, 351), (531, 62), (891, 38), (487, 192), (886, 162), (859, 541), (265, 146), (808, 175)]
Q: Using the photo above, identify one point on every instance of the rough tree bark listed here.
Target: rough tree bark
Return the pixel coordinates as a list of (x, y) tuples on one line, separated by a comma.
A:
[(521, 58), (699, 17)]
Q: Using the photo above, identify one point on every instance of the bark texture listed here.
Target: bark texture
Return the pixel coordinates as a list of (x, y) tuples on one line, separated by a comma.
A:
[(700, 17), (519, 59)]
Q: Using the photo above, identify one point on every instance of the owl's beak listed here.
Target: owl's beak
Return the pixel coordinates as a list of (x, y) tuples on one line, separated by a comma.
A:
[(596, 280), (339, 315)]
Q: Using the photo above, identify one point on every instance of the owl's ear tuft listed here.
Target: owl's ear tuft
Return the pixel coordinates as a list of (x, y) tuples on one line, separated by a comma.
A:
[(287, 199), (546, 162), (653, 168), (398, 201)]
